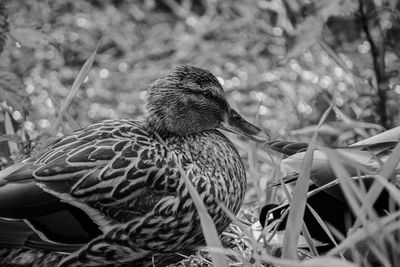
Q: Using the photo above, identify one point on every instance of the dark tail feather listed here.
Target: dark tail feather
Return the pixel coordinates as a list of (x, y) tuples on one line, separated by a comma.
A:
[(35, 242), (21, 197), (36, 212), (13, 234), (78, 230), (16, 234)]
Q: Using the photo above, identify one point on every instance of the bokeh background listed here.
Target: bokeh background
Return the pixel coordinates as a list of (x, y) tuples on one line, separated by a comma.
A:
[(285, 61)]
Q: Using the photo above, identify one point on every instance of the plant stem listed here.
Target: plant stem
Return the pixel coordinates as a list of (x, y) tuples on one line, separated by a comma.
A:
[(378, 60)]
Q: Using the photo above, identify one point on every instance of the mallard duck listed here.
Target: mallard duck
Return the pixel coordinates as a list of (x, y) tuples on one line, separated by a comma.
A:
[(330, 203), (114, 192)]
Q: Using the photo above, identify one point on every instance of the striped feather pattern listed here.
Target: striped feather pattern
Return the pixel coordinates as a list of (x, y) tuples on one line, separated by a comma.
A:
[(129, 184)]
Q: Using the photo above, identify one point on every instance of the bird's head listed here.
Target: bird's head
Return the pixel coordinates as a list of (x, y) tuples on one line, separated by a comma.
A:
[(191, 100)]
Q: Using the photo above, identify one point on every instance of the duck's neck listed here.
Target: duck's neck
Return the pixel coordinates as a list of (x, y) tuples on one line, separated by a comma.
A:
[(166, 127), (158, 128)]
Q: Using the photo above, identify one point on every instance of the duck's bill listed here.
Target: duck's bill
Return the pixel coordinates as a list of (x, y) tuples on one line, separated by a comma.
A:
[(236, 124)]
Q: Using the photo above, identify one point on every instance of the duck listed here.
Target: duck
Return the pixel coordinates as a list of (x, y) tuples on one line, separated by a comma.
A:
[(329, 202), (113, 193)]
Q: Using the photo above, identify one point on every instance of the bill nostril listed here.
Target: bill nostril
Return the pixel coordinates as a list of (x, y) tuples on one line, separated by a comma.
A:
[(236, 116)]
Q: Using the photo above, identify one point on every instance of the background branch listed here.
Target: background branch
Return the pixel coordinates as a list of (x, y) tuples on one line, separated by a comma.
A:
[(378, 60)]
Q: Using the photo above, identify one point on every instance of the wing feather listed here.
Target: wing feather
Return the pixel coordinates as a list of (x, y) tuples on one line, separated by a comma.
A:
[(109, 171)]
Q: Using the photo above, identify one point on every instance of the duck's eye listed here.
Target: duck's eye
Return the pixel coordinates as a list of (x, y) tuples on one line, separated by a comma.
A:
[(207, 93)]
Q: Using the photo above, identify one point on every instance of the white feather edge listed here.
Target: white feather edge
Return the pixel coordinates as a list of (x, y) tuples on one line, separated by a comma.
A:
[(7, 171), (105, 224), (41, 234)]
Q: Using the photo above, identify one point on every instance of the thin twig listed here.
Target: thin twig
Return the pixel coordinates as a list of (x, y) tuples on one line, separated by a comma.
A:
[(378, 54)]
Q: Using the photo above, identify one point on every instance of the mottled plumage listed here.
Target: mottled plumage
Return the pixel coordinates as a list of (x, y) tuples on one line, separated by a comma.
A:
[(118, 184)]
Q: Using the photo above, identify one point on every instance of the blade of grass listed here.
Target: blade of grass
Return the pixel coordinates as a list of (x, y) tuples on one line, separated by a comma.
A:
[(376, 251), (223, 251), (253, 160), (262, 155), (353, 196), (9, 170), (253, 168), (323, 225), (339, 163), (391, 188), (74, 89), (344, 177), (255, 245), (298, 203), (71, 122), (304, 228), (309, 240), (315, 262), (271, 191), (314, 191), (387, 170), (264, 257), (358, 127), (207, 224), (390, 222), (14, 138), (381, 181), (392, 135)]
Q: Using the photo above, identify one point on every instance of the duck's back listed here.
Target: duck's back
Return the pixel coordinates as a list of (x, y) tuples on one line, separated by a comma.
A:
[(117, 172), (68, 163)]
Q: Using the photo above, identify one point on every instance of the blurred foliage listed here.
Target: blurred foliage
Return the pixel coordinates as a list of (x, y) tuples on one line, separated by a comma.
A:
[(286, 60)]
